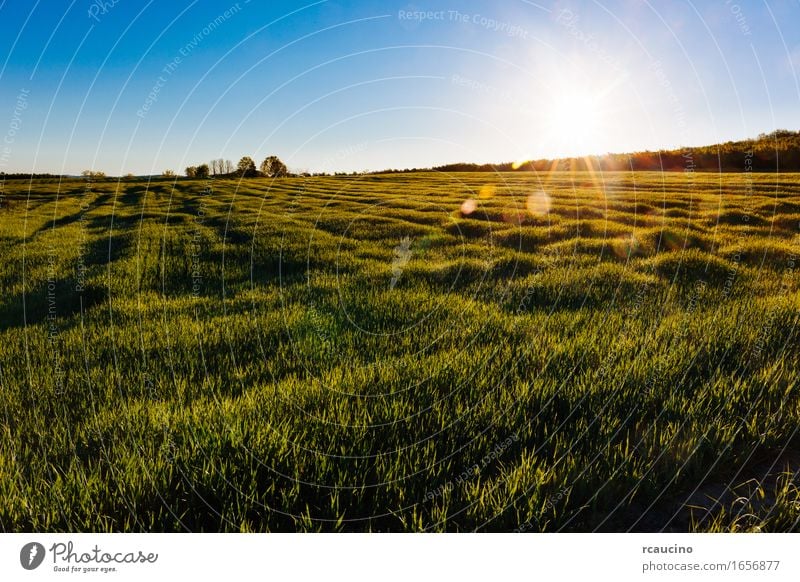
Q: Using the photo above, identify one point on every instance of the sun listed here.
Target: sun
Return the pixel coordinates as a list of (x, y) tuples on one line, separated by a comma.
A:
[(576, 112), (571, 124)]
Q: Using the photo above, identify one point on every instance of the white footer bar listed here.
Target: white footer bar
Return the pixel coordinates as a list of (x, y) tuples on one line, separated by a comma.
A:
[(407, 557)]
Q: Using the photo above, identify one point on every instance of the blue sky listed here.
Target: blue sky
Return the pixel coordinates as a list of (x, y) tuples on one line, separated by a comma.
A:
[(137, 86)]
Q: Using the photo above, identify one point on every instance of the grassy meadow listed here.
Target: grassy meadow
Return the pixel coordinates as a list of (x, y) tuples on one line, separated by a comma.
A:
[(408, 352)]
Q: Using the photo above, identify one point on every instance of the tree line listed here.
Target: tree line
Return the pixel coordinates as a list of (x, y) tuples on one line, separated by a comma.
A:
[(271, 167), (778, 151)]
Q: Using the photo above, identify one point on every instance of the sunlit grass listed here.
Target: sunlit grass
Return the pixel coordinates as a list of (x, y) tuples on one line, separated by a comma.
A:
[(358, 354)]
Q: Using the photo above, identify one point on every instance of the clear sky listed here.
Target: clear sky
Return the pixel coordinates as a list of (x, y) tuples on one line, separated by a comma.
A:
[(141, 86)]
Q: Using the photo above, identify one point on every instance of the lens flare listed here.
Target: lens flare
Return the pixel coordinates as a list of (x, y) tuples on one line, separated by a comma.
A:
[(538, 203), (514, 217), (486, 192), (626, 246), (469, 206)]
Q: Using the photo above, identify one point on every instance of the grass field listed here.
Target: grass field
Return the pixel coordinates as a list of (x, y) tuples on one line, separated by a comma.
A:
[(562, 352)]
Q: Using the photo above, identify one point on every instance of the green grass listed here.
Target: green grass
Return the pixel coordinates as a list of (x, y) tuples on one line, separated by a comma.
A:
[(355, 354)]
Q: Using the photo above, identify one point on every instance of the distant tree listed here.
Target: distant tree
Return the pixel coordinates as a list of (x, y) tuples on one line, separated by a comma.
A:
[(246, 167), (168, 174), (93, 174), (227, 167), (273, 167), (218, 167), (202, 171), (191, 171)]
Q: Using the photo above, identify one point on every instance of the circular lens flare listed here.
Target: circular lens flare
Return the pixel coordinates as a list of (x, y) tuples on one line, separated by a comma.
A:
[(538, 203), (486, 192), (469, 206)]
